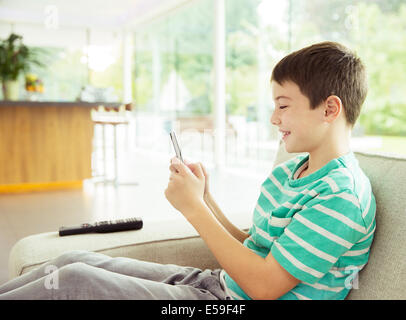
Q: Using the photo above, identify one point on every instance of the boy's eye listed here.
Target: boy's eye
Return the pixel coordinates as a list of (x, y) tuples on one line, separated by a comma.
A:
[(282, 107)]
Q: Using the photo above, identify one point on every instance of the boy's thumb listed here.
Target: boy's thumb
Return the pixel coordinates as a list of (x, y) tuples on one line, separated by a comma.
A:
[(196, 169)]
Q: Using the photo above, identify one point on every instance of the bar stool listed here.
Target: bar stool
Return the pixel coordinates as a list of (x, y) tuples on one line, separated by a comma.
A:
[(105, 119)]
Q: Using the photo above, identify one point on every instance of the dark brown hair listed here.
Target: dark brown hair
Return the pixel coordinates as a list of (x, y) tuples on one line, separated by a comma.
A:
[(324, 69)]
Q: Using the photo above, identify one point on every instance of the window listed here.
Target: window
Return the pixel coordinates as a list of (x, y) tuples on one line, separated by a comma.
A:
[(70, 71), (173, 62), (67, 53), (67, 77), (174, 65), (173, 72)]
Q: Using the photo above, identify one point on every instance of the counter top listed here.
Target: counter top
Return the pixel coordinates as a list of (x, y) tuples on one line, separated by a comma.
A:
[(61, 104)]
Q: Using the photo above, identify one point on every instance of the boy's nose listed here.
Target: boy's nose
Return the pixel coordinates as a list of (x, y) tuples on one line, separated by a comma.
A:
[(274, 118)]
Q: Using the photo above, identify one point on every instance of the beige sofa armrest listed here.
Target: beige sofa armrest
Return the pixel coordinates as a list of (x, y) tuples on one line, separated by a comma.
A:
[(173, 241)]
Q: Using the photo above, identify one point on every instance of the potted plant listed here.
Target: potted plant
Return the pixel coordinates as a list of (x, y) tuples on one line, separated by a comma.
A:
[(15, 58)]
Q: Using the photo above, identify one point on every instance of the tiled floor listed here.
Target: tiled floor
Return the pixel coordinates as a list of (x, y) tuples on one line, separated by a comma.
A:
[(25, 214)]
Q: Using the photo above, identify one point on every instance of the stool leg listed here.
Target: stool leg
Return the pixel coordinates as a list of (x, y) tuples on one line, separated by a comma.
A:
[(126, 136), (104, 153), (115, 156), (94, 152)]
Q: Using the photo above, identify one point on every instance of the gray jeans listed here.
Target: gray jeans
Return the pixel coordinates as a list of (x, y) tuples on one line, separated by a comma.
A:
[(90, 275)]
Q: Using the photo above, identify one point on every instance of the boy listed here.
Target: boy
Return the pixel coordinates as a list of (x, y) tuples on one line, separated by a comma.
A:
[(312, 226), (314, 221)]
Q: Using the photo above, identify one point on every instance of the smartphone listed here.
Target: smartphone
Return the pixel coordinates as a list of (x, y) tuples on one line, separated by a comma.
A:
[(175, 143)]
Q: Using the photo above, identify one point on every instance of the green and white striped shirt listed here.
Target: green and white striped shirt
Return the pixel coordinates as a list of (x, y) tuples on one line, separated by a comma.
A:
[(319, 227)]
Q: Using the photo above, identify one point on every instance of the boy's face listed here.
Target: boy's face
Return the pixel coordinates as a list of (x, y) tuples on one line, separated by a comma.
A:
[(302, 128)]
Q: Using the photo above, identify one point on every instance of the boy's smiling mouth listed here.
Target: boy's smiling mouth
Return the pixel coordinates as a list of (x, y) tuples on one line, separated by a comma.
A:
[(284, 134)]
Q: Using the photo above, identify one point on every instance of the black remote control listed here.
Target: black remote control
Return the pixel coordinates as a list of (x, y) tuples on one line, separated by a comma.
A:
[(103, 227)]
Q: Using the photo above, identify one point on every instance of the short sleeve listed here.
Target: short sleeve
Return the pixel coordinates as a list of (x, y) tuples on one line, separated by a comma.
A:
[(318, 235)]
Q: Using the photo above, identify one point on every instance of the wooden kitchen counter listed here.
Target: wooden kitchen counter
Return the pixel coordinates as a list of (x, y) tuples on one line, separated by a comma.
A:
[(45, 145)]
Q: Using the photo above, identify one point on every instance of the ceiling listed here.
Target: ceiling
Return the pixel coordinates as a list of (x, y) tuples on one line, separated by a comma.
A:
[(94, 14)]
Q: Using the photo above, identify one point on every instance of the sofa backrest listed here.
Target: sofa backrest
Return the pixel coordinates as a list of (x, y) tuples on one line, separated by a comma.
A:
[(384, 277)]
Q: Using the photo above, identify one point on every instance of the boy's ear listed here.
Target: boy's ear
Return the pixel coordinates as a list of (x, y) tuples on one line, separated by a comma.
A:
[(332, 108)]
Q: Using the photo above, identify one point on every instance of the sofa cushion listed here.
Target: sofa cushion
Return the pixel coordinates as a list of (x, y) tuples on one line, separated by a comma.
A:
[(384, 277)]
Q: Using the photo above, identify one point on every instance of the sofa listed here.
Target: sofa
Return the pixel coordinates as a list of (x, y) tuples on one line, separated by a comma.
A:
[(175, 241)]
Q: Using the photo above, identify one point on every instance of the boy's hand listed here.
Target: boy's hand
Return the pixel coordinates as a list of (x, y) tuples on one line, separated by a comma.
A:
[(186, 187), (192, 167)]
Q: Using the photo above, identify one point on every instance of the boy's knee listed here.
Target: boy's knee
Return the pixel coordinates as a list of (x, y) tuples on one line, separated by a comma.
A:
[(70, 257), (73, 281), (76, 272)]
